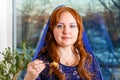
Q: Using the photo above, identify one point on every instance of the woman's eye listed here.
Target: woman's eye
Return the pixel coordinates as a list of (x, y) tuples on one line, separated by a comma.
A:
[(72, 26), (59, 26)]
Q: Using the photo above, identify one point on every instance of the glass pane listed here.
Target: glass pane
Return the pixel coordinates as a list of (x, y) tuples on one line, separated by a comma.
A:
[(101, 20)]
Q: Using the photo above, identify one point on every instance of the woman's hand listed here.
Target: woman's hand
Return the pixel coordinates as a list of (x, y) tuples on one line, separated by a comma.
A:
[(34, 69)]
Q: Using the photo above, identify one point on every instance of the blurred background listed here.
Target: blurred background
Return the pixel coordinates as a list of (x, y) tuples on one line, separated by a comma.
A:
[(101, 20)]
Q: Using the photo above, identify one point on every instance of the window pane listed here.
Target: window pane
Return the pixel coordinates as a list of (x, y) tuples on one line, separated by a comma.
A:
[(101, 20)]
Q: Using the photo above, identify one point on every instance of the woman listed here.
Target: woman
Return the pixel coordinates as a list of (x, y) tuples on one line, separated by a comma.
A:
[(63, 52)]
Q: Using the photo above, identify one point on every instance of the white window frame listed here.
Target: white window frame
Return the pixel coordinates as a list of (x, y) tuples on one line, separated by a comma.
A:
[(6, 27)]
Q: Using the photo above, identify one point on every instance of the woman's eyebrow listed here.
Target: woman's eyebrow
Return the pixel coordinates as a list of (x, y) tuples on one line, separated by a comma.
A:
[(60, 23), (63, 22), (73, 23)]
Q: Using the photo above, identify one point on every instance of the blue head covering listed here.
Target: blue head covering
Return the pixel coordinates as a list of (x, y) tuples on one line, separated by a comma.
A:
[(41, 44)]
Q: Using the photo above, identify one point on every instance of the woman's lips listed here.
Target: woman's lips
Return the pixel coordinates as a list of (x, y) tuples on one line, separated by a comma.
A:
[(66, 38)]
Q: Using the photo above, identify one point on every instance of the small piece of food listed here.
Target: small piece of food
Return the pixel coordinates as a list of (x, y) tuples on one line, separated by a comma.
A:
[(54, 64)]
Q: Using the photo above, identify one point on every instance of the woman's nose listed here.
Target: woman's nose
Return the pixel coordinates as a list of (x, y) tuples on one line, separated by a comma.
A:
[(66, 30)]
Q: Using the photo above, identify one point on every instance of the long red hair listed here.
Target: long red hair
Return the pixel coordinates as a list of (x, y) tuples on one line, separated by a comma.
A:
[(51, 45)]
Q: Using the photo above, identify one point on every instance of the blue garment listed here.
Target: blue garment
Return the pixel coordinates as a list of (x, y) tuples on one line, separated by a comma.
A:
[(70, 72)]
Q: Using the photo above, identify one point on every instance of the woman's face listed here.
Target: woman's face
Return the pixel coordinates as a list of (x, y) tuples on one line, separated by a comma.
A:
[(66, 31)]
